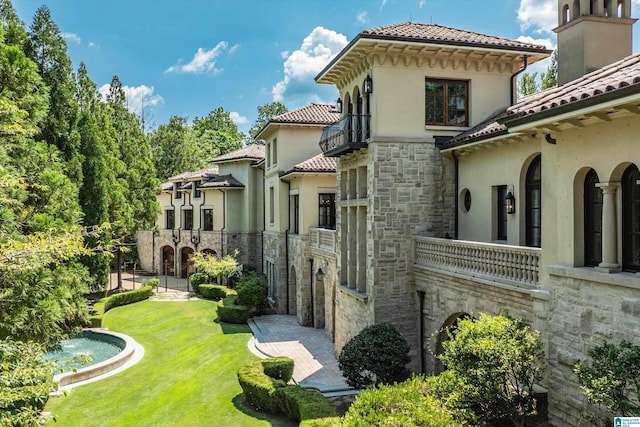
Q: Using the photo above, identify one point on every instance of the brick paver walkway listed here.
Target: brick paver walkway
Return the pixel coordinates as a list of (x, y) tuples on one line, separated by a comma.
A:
[(315, 365)]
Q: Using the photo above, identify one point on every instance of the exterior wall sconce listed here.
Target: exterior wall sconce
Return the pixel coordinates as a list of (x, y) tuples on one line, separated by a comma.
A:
[(510, 201), (195, 239), (339, 105), (368, 85), (175, 237)]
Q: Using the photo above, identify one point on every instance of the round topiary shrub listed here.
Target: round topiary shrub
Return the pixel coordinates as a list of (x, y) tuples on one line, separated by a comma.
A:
[(377, 355), (197, 279), (252, 289)]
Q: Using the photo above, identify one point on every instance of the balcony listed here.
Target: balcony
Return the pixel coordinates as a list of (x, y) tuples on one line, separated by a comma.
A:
[(348, 134), (512, 265), (322, 238)]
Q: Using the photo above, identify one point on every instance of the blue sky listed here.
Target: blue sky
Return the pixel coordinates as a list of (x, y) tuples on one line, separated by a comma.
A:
[(188, 57)]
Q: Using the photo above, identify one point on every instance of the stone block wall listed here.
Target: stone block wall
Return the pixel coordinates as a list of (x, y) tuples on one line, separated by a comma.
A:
[(274, 253), (249, 245), (588, 308), (327, 261), (299, 277)]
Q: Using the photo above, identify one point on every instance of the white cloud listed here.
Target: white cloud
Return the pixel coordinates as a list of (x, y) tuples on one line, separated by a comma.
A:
[(203, 61), (92, 44), (548, 43), (284, 54), (238, 119), (538, 15), (71, 37), (300, 68), (234, 49), (422, 3), (362, 17), (135, 97), (383, 3)]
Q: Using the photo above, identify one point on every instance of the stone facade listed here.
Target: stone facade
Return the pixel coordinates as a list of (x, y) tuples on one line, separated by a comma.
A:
[(275, 267), (249, 246)]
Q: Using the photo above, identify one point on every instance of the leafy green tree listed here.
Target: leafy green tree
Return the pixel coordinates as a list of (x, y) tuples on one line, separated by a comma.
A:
[(265, 113), (550, 77), (216, 134), (174, 148), (48, 50), (377, 355), (612, 379), (226, 266), (498, 360), (15, 33), (528, 84)]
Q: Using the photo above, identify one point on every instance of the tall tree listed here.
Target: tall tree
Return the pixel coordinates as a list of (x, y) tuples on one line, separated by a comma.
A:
[(265, 113), (216, 134), (15, 33), (550, 77), (174, 148), (48, 49), (528, 84)]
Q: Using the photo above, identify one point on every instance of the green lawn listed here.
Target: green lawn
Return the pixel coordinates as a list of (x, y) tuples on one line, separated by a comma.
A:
[(186, 378)]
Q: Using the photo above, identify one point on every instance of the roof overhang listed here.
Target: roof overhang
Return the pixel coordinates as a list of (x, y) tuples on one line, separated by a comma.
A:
[(298, 173)]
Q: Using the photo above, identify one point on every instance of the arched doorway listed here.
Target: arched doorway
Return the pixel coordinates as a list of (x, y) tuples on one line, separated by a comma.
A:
[(186, 265), (168, 261), (448, 328), (209, 252)]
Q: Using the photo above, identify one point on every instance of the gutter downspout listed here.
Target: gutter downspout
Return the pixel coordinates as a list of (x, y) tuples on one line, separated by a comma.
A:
[(286, 242), (514, 76)]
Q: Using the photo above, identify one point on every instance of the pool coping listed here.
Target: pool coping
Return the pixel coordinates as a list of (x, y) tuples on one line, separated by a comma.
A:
[(130, 355)]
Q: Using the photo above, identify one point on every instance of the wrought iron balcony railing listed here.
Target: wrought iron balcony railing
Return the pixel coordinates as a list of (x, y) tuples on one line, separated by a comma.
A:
[(348, 134)]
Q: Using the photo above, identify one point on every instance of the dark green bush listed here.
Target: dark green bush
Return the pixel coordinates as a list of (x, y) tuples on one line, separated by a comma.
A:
[(216, 292), (280, 368), (153, 282), (252, 289), (116, 300), (198, 279), (410, 403), (229, 311), (303, 404), (259, 389), (377, 355)]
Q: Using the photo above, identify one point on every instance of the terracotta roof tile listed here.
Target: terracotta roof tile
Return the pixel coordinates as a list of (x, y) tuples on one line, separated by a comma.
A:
[(222, 181), (323, 114), (621, 75), (439, 33), (185, 176), (250, 152), (318, 163)]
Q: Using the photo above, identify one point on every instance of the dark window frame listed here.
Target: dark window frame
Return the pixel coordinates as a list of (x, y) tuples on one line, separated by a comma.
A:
[(592, 220), (445, 103), (170, 219), (327, 211), (188, 219), (295, 218), (631, 219), (533, 217), (197, 192), (207, 219)]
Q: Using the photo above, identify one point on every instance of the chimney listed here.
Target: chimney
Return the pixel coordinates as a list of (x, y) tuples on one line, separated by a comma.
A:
[(592, 34)]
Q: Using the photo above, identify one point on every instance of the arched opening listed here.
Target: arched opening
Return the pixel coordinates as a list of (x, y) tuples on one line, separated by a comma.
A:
[(448, 329), (186, 264), (575, 13), (209, 252), (631, 219), (566, 17), (592, 220), (533, 206), (168, 261)]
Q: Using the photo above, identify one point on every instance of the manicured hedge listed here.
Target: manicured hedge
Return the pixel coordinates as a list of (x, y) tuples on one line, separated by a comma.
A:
[(116, 300), (229, 311), (264, 386), (198, 279), (216, 292)]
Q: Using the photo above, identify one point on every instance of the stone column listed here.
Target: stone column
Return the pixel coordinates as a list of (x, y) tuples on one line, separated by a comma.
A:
[(609, 262)]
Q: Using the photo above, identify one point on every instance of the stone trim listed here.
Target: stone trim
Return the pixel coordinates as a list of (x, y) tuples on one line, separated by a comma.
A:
[(627, 280), (354, 293)]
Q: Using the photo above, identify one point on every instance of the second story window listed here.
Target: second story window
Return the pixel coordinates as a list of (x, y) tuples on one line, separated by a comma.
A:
[(207, 219), (188, 219), (271, 206), (170, 219), (446, 102), (274, 153), (327, 211), (177, 191), (501, 212), (197, 193)]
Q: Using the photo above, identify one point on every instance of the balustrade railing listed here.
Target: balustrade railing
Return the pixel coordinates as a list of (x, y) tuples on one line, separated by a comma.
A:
[(517, 265), (322, 238)]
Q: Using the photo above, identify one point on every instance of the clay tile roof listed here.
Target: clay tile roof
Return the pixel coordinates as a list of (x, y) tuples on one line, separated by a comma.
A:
[(250, 152), (614, 80), (318, 163), (441, 34), (185, 176), (222, 181), (322, 114), (167, 186)]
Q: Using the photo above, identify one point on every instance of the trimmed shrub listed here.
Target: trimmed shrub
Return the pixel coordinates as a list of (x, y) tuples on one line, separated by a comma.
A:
[(154, 282), (229, 311), (280, 368), (303, 404), (377, 355), (116, 300), (216, 292), (252, 289), (410, 403), (198, 279), (322, 422), (259, 389)]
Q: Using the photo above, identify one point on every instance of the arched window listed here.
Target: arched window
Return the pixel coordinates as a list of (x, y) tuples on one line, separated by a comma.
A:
[(534, 203), (631, 219), (592, 220)]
